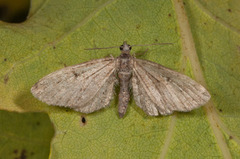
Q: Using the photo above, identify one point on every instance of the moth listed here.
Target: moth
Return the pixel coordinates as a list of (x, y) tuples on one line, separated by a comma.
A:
[(89, 86)]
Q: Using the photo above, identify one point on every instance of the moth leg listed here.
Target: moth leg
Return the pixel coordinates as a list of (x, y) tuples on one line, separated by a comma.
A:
[(138, 54)]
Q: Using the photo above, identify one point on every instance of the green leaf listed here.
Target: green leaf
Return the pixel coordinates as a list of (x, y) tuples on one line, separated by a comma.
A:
[(25, 135), (206, 47)]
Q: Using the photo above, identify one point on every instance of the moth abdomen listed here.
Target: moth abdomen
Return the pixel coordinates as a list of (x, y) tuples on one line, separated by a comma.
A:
[(124, 94)]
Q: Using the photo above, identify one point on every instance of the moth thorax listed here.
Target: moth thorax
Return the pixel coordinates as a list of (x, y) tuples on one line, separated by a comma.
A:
[(125, 54)]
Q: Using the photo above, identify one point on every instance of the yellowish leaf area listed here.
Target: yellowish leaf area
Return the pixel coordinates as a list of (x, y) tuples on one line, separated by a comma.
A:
[(206, 47), (25, 135)]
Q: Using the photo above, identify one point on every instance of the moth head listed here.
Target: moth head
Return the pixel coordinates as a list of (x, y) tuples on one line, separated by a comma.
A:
[(125, 47)]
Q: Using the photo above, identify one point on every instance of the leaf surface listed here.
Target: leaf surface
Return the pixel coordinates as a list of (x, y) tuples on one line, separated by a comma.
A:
[(55, 36), (25, 135)]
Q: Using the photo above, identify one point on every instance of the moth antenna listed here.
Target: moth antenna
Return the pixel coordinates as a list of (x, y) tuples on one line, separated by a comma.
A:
[(99, 48), (154, 44)]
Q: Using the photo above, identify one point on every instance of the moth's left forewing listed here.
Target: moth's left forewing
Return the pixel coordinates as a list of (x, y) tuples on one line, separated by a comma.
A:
[(159, 89), (86, 87)]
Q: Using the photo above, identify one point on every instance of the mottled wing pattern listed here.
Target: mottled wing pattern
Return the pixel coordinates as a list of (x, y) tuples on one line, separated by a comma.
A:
[(85, 87), (157, 89)]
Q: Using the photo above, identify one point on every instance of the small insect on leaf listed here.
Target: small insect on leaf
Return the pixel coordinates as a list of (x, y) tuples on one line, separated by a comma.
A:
[(89, 86)]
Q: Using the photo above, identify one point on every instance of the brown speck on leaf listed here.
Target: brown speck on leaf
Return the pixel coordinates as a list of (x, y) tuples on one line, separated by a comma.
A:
[(15, 151), (5, 59), (138, 26), (156, 40), (83, 120), (23, 154), (229, 10), (184, 3), (54, 47), (169, 15), (220, 110), (6, 78), (230, 137)]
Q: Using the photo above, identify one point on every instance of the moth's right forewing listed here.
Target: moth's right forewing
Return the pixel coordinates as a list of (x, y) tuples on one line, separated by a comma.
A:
[(159, 89), (86, 87)]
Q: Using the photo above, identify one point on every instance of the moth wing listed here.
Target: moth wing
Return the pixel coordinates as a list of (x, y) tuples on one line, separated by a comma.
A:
[(157, 89), (85, 87)]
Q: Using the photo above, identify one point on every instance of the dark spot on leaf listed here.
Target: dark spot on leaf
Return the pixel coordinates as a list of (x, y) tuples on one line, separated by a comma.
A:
[(229, 10), (32, 153), (38, 123), (83, 120), (54, 47), (205, 23), (184, 3), (156, 40), (138, 26), (220, 110), (64, 65), (169, 15), (15, 151), (5, 59), (230, 137), (6, 78), (23, 154)]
